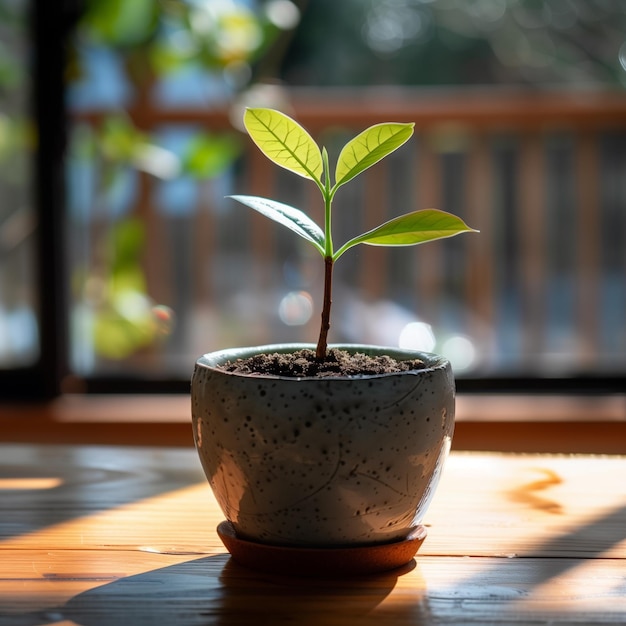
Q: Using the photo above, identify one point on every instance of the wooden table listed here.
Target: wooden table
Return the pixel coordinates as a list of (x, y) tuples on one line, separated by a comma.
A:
[(99, 536)]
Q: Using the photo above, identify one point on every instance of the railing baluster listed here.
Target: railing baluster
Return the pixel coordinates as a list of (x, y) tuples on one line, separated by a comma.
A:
[(261, 182), (532, 257), (429, 257), (588, 248), (482, 290), (204, 248), (480, 285), (374, 261)]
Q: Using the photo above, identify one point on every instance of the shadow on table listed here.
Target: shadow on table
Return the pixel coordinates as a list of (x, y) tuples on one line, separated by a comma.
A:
[(216, 590), (91, 479), (506, 589)]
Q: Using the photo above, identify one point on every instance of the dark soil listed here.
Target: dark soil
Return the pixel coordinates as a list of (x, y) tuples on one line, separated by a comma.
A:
[(304, 364)]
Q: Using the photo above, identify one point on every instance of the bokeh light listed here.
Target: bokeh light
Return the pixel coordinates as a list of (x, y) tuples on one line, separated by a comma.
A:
[(296, 308), (417, 336), (164, 320), (460, 351), (622, 56)]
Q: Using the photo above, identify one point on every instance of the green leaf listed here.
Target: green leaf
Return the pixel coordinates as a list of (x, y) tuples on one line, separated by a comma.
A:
[(122, 23), (126, 241), (208, 155), (285, 142), (369, 147), (411, 229), (119, 140), (288, 216)]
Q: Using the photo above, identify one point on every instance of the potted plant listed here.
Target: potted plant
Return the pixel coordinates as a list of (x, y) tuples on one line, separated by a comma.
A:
[(318, 452)]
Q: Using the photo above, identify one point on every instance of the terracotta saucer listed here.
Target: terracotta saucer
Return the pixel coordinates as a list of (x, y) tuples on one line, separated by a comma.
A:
[(312, 562)]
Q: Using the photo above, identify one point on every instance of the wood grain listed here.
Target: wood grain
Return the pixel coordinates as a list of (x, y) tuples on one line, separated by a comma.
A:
[(96, 535)]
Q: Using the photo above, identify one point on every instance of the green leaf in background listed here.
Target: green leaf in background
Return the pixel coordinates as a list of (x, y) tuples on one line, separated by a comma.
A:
[(119, 140), (122, 22), (285, 142), (209, 155), (166, 58), (369, 147), (411, 229), (294, 219), (126, 240)]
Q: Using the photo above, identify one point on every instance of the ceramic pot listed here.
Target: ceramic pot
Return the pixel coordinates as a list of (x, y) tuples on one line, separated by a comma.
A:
[(323, 462)]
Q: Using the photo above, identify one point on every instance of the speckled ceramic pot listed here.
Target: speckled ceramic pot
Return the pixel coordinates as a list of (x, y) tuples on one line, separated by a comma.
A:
[(323, 462)]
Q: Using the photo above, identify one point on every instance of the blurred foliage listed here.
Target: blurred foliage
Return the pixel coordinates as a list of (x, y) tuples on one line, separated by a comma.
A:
[(13, 27), (120, 23), (579, 43), (16, 131), (17, 142), (154, 39), (207, 154), (120, 139), (125, 322), (225, 36)]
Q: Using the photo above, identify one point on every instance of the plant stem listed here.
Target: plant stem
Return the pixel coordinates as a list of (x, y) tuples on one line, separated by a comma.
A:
[(322, 342)]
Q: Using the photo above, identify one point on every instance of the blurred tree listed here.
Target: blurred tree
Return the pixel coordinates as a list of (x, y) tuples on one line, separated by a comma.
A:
[(145, 43), (434, 42)]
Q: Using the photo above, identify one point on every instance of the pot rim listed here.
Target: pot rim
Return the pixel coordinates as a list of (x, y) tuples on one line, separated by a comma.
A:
[(433, 361)]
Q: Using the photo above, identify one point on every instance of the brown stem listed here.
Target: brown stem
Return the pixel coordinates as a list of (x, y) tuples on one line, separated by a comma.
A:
[(322, 342)]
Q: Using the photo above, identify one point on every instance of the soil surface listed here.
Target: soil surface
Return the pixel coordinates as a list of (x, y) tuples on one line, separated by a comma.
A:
[(304, 364)]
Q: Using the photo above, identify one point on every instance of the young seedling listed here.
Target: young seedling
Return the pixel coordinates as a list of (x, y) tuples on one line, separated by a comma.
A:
[(290, 146)]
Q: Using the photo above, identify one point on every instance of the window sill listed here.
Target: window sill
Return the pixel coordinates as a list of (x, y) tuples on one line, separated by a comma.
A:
[(507, 423)]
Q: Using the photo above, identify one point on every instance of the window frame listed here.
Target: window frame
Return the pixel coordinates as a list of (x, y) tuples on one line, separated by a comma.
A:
[(42, 380), (49, 376)]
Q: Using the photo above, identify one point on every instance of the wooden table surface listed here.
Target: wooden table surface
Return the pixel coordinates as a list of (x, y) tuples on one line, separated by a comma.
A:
[(108, 536)]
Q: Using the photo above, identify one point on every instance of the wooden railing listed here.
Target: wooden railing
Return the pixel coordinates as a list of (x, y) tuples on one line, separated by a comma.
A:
[(541, 175)]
